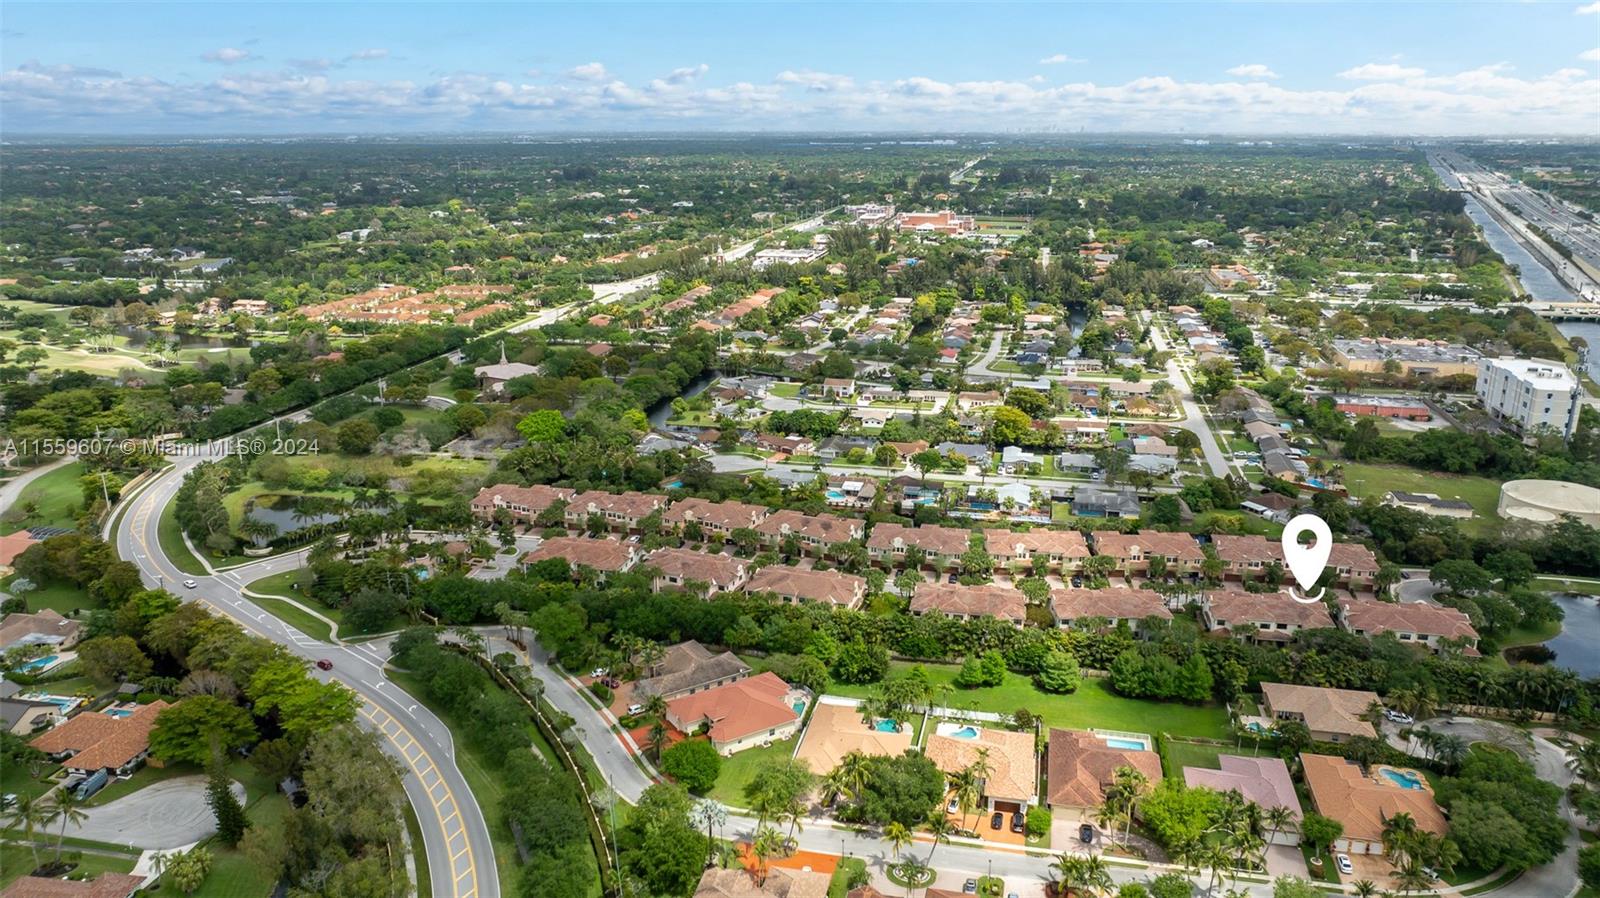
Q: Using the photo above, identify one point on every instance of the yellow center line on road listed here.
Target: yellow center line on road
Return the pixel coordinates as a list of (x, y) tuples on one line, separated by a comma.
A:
[(422, 767)]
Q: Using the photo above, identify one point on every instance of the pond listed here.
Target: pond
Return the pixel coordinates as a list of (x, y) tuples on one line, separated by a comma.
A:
[(140, 337), (662, 410), (1577, 647), (289, 513)]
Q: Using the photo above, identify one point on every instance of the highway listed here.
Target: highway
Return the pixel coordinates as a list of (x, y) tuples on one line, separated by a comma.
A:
[(454, 832)]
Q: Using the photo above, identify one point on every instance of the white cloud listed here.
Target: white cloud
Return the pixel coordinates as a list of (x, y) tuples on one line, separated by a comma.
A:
[(1381, 71), (1488, 99), (228, 55), (1058, 59), (1592, 9), (1252, 70), (687, 74), (1590, 55), (816, 82), (372, 53)]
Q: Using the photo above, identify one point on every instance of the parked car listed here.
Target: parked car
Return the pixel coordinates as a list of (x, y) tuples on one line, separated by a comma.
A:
[(953, 807), (970, 887), (636, 709), (951, 579), (598, 672), (1077, 582), (1017, 821), (1397, 717), (189, 584), (1085, 833), (997, 820), (1343, 862), (324, 664)]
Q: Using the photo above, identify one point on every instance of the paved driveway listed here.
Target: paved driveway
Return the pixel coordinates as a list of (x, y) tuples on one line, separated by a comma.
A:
[(167, 814)]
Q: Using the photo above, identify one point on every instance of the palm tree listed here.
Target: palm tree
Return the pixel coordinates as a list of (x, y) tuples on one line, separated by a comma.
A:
[(1279, 819), (1399, 838), (66, 806), (1585, 761), (940, 829), (1096, 875), (834, 786), (30, 813), (711, 813), (1450, 750), (897, 835), (1365, 888), (1069, 870), (853, 768), (1216, 858), (1132, 784), (767, 843), (1109, 815), (1410, 878)]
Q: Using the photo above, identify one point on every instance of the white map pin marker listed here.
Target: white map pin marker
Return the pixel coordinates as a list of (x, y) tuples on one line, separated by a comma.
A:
[(1307, 562)]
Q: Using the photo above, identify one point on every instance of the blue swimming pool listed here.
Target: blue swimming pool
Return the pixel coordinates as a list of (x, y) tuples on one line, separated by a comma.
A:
[(887, 725), (837, 495), (1405, 779), (1126, 744), (65, 703), (38, 663), (120, 712), (799, 707), (963, 733)]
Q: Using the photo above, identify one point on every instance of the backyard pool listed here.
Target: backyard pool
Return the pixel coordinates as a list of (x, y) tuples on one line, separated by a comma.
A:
[(1405, 779), (799, 709), (887, 725), (65, 702), (837, 495), (119, 712), (38, 663), (1126, 744)]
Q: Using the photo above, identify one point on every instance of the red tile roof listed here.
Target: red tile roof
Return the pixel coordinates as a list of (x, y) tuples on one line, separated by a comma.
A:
[(736, 710)]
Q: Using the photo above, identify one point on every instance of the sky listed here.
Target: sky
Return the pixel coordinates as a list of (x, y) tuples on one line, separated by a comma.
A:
[(1261, 68)]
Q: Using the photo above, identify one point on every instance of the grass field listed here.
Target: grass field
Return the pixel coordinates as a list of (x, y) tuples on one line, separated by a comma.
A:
[(1375, 480), (741, 768), (17, 860), (1093, 705), (57, 497), (170, 535), (296, 617), (1557, 584), (59, 597), (233, 875), (1178, 754)]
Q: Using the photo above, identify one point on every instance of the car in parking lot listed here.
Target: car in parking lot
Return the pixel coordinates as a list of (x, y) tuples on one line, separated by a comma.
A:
[(997, 820), (1343, 862)]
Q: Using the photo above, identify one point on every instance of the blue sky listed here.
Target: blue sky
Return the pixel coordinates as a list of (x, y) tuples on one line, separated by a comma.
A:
[(1447, 68)]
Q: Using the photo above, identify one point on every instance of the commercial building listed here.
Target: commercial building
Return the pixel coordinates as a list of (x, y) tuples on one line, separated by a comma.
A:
[(1530, 394), (1415, 358)]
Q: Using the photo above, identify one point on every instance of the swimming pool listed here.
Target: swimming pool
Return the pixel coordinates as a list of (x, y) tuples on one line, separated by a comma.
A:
[(963, 733), (119, 712), (887, 725), (38, 663), (799, 708), (1126, 744), (65, 702), (837, 495), (1405, 779)]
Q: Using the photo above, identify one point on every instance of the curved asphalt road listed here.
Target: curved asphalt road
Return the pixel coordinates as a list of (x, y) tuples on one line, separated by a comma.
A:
[(168, 814), (454, 833)]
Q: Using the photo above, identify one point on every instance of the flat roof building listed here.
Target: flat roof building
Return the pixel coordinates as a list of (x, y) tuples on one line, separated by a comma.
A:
[(1530, 394)]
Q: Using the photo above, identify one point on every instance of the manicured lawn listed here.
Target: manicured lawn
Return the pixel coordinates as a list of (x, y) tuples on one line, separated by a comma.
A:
[(786, 391), (1178, 755), (57, 497), (741, 768), (15, 780), (17, 860), (1557, 584), (232, 876), (170, 535), (59, 597), (1375, 480), (839, 886), (1093, 705), (296, 617)]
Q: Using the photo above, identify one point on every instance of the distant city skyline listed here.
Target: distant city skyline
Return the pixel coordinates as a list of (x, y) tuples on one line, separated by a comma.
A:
[(1447, 69)]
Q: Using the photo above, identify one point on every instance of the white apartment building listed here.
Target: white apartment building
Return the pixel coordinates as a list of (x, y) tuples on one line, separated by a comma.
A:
[(1530, 393)]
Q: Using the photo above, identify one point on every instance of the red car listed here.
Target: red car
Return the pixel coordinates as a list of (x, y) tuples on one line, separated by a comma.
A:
[(324, 664)]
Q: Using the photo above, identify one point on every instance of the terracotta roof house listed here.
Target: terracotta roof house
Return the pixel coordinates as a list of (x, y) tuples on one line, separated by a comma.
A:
[(94, 741), (1271, 617), (106, 885), (1133, 551), (677, 567), (12, 545), (942, 546), (1012, 783), (689, 667), (1413, 623), (1117, 605), (714, 518), (1080, 765), (1332, 715), (1354, 565), (523, 502), (46, 627), (781, 882), (837, 729), (799, 585), (741, 714), (954, 600), (1246, 556), (1363, 803), (622, 511), (1060, 549), (1263, 780), (817, 532), (606, 556)]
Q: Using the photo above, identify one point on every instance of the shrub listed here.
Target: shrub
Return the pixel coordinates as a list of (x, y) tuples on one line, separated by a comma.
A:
[(694, 763), (601, 691), (1038, 823)]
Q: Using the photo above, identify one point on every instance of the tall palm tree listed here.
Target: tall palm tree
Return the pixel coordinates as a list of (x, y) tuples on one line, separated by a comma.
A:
[(1584, 760), (1399, 838), (1364, 888), (1096, 875), (1279, 819), (940, 829), (854, 769), (767, 843), (711, 813), (1219, 861), (30, 813), (1133, 785), (897, 835), (66, 806), (1069, 872)]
